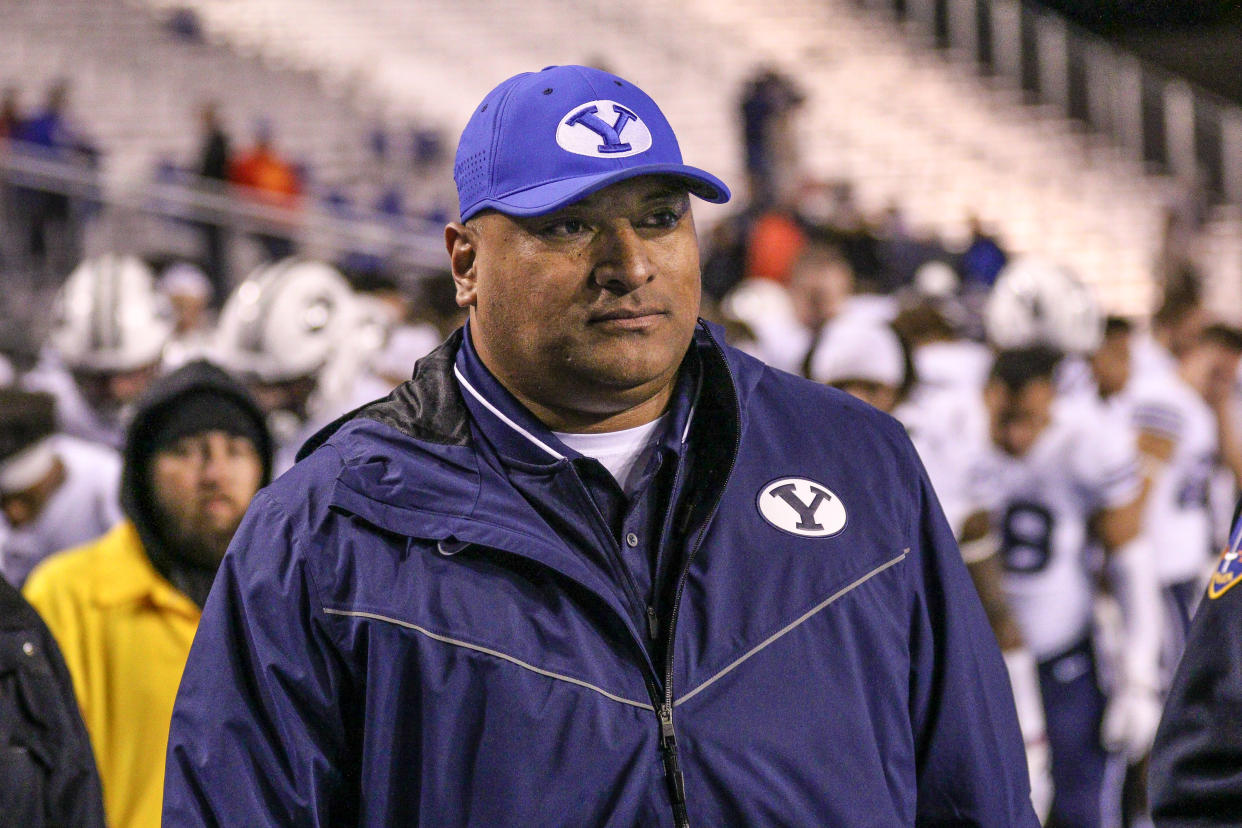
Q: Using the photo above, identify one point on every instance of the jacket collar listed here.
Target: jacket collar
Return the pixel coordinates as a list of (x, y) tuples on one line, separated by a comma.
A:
[(518, 435), (128, 576)]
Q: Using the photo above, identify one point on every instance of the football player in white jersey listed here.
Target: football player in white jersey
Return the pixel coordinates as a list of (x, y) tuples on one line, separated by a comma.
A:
[(1049, 481), (280, 332), (868, 360), (56, 491), (104, 347), (1179, 439)]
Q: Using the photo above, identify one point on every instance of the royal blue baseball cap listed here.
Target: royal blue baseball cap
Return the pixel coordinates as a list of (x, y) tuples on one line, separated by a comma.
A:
[(542, 140)]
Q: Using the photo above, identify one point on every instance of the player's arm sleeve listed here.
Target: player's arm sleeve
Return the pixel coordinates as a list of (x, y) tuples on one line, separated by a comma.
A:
[(1196, 764), (969, 749), (258, 733)]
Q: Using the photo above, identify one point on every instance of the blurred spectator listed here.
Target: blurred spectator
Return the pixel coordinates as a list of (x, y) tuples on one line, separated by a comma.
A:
[(269, 179), (393, 363), (901, 252), (820, 285), (10, 113), (56, 491), (124, 608), (213, 167), (776, 238), (12, 223), (1175, 270), (767, 106), (48, 776), (184, 23), (864, 359), (49, 129), (188, 293), (984, 258), (945, 360), (50, 231), (725, 254), (1175, 327)]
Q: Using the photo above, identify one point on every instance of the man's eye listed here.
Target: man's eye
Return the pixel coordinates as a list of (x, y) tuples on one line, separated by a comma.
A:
[(565, 227), (663, 218)]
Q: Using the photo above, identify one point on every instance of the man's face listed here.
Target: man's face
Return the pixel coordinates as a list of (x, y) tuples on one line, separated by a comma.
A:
[(1211, 369), (1184, 334), (877, 394), (819, 286), (1017, 418), (189, 310), (202, 485), (291, 395), (588, 311), (22, 508), (1110, 364), (108, 392)]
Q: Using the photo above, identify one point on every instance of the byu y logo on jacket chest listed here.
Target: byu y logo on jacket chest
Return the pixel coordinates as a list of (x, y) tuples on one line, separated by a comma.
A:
[(801, 507), (603, 129)]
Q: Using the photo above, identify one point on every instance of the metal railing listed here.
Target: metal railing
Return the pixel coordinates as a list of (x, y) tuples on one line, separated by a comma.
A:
[(1161, 120), (314, 228)]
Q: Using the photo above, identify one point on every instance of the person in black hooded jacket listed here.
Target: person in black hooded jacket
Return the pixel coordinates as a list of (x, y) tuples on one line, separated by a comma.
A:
[(125, 607), (47, 771)]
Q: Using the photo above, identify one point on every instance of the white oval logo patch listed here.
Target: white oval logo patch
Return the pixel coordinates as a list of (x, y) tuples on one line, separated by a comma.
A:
[(801, 507), (603, 129)]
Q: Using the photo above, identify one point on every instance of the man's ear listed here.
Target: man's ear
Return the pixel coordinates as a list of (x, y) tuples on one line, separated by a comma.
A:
[(460, 241)]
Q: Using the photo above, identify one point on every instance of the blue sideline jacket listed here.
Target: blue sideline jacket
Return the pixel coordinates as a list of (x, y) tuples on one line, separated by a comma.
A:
[(421, 623)]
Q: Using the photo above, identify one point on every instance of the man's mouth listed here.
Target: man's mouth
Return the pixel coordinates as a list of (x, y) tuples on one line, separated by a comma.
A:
[(626, 318), (216, 503)]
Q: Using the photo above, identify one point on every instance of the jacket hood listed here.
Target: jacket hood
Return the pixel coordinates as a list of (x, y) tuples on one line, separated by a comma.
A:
[(137, 500)]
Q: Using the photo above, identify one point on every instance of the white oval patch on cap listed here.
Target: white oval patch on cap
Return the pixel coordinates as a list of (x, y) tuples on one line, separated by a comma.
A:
[(801, 507), (603, 129)]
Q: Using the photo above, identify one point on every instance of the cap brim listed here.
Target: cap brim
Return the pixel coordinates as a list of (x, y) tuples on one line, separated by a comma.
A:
[(552, 196)]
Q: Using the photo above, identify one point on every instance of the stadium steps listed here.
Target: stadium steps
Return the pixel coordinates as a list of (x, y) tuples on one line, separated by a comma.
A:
[(905, 123)]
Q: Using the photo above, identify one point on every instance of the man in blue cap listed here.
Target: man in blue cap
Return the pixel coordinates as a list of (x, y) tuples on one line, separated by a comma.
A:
[(591, 565)]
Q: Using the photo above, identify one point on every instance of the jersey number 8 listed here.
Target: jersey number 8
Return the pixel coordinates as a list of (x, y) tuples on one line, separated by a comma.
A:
[(1026, 537)]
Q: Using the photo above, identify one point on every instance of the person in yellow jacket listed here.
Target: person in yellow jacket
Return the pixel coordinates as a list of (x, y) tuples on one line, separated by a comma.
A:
[(124, 607)]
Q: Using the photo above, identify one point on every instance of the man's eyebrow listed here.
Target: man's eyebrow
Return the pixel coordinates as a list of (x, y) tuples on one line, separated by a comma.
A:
[(677, 193), (664, 193)]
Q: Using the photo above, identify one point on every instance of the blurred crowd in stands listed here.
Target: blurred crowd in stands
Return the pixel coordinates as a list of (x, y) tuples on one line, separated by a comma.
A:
[(50, 183), (1087, 463)]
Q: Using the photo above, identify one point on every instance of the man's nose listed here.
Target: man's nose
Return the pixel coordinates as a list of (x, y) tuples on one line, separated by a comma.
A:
[(624, 262), (214, 467)]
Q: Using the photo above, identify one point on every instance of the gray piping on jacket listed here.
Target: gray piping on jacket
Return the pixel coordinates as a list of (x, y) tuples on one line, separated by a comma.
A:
[(458, 643), (826, 602)]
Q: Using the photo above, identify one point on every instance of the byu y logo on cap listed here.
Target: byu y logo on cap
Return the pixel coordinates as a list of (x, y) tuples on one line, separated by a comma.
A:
[(801, 507), (603, 129)]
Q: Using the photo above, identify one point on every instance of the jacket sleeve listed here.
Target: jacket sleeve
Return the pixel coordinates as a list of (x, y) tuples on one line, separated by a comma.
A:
[(971, 758), (75, 793), (257, 735), (49, 750), (1196, 764)]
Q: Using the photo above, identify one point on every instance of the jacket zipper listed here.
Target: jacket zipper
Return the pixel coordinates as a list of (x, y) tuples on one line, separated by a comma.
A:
[(664, 707), (618, 556)]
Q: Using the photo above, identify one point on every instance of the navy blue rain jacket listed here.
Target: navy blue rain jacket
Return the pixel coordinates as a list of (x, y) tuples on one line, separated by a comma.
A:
[(398, 636)]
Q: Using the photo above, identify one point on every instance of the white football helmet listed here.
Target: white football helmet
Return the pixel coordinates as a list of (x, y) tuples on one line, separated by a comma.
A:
[(109, 317), (1036, 302), (285, 321)]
